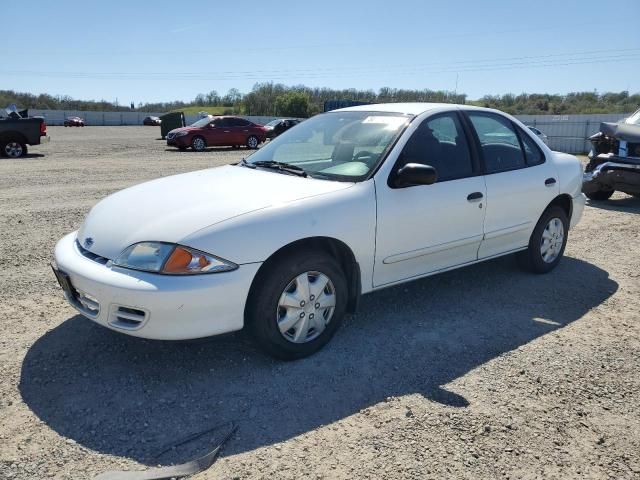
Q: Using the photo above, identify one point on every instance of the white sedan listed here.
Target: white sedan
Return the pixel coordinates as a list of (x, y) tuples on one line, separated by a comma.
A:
[(346, 203)]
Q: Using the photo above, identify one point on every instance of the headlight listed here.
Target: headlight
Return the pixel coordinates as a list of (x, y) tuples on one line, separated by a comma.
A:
[(171, 259), (181, 134)]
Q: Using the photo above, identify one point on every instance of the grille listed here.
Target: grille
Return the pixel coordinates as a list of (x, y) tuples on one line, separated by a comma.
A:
[(91, 256), (87, 304)]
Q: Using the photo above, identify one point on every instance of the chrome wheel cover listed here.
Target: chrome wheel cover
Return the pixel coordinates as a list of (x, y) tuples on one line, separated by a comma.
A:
[(305, 307), (13, 150), (252, 142), (552, 240)]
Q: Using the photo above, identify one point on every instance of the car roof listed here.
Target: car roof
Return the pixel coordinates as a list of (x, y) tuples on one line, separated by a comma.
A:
[(411, 108)]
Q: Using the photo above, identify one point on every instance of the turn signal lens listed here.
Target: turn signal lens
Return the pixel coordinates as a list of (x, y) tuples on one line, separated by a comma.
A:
[(160, 257), (184, 261)]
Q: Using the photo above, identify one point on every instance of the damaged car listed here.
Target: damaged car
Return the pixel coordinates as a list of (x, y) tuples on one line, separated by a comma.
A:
[(614, 161)]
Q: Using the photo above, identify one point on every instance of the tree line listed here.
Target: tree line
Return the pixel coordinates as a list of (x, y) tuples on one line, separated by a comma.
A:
[(301, 101)]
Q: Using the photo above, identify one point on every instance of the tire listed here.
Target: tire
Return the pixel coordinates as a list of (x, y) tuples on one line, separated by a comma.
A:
[(252, 142), (279, 284), (198, 144), (600, 195), (554, 223), (13, 148)]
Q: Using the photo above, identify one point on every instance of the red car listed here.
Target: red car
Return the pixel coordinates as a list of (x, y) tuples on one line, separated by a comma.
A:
[(217, 131), (73, 122)]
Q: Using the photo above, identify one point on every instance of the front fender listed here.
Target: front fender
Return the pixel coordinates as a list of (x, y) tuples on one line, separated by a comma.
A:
[(347, 215)]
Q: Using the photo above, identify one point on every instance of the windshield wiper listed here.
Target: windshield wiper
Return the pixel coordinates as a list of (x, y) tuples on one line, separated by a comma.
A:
[(283, 167), (244, 163)]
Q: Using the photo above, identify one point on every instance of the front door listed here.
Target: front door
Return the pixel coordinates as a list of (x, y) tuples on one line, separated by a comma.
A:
[(214, 132), (427, 228)]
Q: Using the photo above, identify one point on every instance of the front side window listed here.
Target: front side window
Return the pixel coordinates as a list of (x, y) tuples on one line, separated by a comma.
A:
[(532, 152), (344, 146), (498, 141), (441, 143)]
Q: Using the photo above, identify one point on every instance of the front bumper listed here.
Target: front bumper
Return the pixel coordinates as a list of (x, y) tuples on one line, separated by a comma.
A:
[(148, 305), (612, 175), (183, 141)]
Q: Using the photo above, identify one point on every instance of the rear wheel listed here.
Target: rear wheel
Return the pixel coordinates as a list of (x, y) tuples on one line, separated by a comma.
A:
[(547, 242), (13, 148), (253, 142), (600, 195), (297, 305), (198, 144)]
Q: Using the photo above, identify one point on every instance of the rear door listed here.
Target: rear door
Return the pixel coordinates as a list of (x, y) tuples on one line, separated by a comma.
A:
[(243, 130), (520, 182)]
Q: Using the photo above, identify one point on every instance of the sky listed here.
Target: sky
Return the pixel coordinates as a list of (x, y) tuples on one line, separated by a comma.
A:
[(160, 50)]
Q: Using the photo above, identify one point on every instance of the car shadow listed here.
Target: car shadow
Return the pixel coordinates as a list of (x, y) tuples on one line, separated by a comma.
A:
[(626, 204), (24, 157), (131, 397)]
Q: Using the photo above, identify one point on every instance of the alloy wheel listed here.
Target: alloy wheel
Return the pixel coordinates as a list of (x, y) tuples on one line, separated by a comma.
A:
[(252, 142), (13, 149)]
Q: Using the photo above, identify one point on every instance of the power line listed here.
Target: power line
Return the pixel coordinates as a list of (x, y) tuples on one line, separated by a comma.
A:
[(481, 65)]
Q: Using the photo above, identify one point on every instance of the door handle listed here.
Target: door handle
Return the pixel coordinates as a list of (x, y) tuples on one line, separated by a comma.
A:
[(550, 181), (472, 197)]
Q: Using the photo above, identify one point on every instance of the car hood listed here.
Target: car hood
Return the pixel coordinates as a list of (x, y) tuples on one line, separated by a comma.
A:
[(171, 208), (184, 129)]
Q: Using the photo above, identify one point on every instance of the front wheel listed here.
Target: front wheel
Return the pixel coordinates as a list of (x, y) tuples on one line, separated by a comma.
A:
[(198, 144), (253, 142), (547, 242), (600, 195), (297, 304), (13, 149)]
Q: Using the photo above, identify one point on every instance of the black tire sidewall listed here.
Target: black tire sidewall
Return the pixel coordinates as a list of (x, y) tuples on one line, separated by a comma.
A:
[(536, 263), (263, 302)]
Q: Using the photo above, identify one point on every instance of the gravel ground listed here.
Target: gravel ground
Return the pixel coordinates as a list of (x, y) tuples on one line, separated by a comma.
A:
[(484, 372)]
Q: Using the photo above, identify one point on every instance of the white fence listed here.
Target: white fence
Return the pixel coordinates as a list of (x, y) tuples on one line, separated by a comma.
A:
[(567, 133), (56, 117)]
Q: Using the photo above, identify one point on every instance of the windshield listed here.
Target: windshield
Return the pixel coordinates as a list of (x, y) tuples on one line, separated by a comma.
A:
[(343, 146), (634, 119), (272, 123), (202, 122)]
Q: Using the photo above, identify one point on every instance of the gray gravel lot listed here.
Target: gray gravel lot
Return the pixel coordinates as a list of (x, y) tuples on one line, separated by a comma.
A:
[(484, 372)]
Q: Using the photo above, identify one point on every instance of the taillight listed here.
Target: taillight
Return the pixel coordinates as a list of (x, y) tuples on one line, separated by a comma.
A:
[(43, 128)]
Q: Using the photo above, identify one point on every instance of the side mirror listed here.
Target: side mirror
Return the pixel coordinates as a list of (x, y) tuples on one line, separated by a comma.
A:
[(415, 174)]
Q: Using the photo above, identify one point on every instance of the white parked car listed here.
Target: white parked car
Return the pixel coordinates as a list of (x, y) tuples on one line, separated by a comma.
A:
[(540, 135), (346, 203)]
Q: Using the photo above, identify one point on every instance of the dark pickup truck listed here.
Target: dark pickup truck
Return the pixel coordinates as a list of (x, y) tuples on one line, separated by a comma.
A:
[(16, 133), (614, 161)]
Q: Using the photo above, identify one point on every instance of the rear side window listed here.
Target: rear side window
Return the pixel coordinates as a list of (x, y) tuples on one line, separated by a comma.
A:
[(499, 142), (440, 142), (532, 152)]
